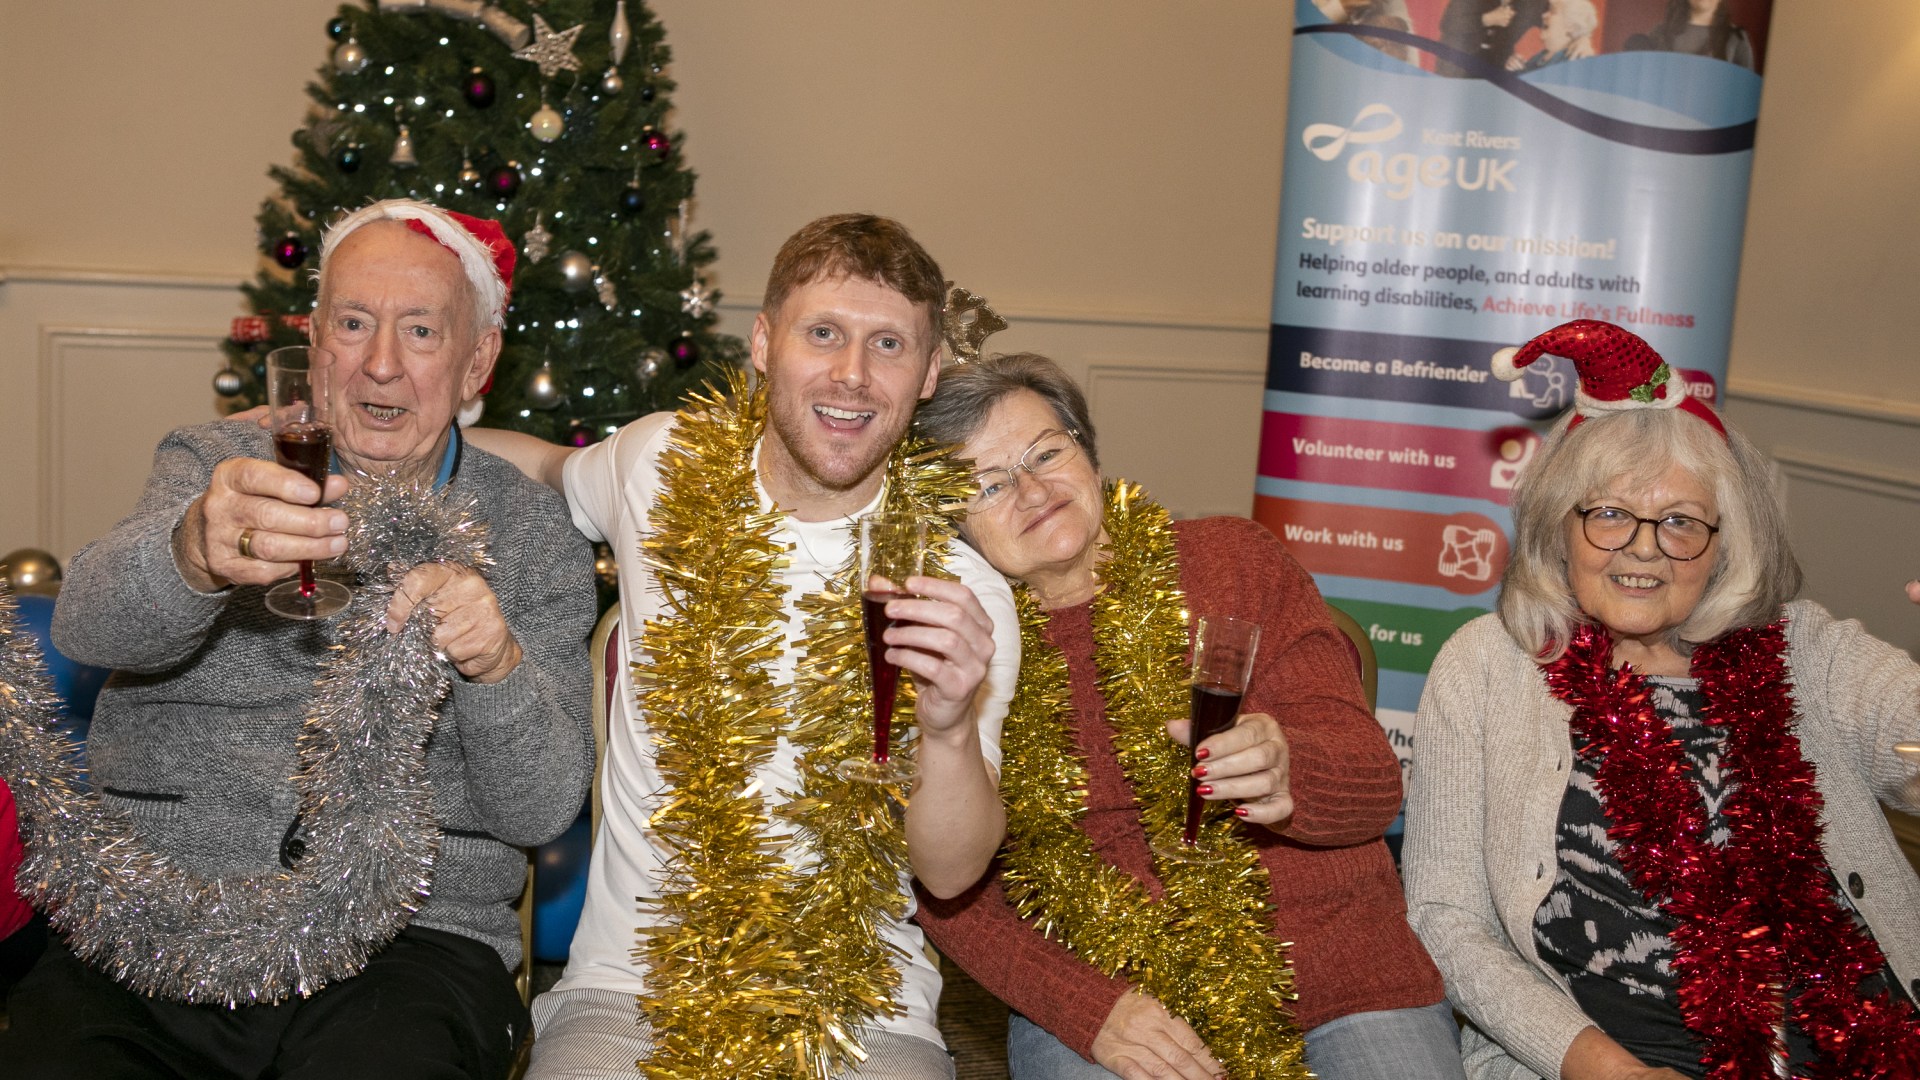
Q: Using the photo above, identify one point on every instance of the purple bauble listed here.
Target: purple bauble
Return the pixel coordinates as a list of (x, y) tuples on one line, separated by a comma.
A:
[(659, 143), (580, 435), (504, 181), (478, 89), (686, 353), (290, 251)]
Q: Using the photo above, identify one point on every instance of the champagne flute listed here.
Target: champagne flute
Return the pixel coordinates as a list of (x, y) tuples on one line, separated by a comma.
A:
[(892, 548), (297, 408), (1223, 650)]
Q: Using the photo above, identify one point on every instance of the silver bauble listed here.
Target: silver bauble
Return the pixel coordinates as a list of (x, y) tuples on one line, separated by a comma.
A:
[(611, 83), (650, 363), (228, 382), (547, 124), (542, 392), (30, 570), (402, 156), (350, 57), (576, 272)]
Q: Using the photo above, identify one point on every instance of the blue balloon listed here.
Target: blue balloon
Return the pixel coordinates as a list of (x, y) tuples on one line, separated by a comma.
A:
[(77, 684), (560, 889)]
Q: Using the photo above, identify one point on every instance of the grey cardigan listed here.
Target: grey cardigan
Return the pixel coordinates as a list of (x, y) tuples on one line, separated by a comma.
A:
[(1491, 752), (194, 733)]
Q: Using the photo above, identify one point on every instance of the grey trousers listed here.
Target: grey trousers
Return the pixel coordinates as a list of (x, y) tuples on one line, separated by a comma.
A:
[(594, 1034)]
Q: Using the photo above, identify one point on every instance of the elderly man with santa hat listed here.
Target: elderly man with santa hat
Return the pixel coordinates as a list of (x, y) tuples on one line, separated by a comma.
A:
[(195, 736)]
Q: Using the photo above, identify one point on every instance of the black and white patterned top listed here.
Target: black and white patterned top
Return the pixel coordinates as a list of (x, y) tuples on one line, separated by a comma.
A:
[(1595, 927)]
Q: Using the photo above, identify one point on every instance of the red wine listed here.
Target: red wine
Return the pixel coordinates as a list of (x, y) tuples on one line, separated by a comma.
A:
[(1214, 708), (886, 676), (306, 448)]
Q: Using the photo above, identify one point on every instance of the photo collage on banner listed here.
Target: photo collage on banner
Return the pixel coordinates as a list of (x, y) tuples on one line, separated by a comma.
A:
[(1462, 175)]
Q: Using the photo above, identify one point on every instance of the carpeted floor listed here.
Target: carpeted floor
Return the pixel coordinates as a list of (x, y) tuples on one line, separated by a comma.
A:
[(974, 1024)]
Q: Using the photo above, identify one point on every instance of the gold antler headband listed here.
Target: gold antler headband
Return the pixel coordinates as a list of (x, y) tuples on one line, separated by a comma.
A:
[(967, 322)]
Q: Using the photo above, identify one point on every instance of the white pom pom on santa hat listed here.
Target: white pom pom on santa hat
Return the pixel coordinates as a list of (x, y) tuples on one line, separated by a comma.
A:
[(1503, 366)]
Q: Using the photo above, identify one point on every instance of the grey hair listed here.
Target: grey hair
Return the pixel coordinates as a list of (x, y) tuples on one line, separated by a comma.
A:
[(1580, 14), (967, 392), (1754, 571), (486, 292)]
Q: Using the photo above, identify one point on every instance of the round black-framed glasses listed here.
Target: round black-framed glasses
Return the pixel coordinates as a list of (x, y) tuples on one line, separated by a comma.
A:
[(1680, 537)]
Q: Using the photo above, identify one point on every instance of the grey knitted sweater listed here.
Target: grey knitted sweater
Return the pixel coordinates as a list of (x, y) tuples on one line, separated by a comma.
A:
[(194, 733)]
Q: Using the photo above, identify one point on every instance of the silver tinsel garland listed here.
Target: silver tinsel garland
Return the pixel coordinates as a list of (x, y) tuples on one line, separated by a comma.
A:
[(261, 937)]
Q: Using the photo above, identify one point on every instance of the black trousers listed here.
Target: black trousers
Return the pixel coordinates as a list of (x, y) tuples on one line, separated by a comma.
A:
[(431, 1005)]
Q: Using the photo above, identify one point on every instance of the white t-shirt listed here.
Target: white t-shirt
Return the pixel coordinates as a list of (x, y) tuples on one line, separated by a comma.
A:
[(610, 488)]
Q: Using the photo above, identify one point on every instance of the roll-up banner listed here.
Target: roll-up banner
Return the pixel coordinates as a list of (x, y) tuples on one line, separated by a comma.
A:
[(1460, 176)]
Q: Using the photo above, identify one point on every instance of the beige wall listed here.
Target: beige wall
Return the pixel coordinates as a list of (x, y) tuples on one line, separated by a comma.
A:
[(1108, 173)]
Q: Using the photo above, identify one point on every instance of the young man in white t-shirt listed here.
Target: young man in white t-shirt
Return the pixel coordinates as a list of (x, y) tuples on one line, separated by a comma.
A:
[(848, 340)]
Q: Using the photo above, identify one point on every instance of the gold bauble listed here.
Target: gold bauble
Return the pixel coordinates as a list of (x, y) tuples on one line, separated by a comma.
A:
[(30, 570)]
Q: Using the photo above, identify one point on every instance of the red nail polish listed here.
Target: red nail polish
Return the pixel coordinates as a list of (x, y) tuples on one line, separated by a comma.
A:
[(1240, 811), (1199, 771), (1202, 753), (1205, 789)]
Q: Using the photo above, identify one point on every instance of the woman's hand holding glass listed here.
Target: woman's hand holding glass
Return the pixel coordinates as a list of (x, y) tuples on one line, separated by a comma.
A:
[(1249, 763)]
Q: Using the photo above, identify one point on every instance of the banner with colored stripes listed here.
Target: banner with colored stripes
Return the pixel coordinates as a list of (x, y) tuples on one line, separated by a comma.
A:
[(1460, 176)]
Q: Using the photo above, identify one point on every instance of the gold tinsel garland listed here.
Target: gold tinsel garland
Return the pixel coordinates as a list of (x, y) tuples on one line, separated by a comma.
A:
[(1205, 950), (759, 968)]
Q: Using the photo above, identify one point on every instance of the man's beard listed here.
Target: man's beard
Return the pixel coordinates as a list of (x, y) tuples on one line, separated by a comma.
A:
[(793, 421)]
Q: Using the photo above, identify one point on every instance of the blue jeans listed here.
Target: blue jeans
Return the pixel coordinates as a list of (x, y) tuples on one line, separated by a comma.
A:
[(1394, 1044)]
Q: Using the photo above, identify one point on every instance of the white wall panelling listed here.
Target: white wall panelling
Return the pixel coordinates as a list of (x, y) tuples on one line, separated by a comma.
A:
[(107, 396), (1190, 435), (1852, 478), (98, 366)]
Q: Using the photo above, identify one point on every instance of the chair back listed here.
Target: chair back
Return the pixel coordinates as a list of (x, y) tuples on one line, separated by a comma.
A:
[(523, 979), (1360, 647), (607, 651)]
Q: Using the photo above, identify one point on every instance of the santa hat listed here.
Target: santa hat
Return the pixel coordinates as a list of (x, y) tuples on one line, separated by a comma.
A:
[(485, 253), (1618, 371)]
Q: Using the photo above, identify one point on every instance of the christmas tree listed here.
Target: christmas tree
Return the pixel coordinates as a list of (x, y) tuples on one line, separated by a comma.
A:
[(548, 115)]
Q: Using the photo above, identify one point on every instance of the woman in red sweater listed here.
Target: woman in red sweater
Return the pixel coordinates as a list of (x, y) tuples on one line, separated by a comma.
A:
[(1289, 951)]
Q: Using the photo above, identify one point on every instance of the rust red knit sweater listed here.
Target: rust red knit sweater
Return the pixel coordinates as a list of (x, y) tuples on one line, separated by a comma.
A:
[(1335, 893)]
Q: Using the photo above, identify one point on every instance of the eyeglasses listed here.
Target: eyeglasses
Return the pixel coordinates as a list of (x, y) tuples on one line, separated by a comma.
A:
[(1678, 536), (1047, 453)]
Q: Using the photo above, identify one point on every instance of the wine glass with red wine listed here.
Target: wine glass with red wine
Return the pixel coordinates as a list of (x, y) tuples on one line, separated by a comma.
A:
[(892, 548), (1223, 649), (297, 407)]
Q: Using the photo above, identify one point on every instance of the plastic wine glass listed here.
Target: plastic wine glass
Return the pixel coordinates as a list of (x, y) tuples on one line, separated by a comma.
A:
[(892, 548), (1223, 650), (297, 407)]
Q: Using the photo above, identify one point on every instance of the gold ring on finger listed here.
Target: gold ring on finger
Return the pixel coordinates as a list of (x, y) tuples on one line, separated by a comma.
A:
[(245, 543)]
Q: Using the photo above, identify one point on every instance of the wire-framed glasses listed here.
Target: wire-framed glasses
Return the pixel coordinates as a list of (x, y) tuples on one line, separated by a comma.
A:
[(1678, 536), (1047, 453)]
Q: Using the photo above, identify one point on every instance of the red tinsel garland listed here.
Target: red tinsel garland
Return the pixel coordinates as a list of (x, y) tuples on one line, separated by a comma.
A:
[(1757, 919)]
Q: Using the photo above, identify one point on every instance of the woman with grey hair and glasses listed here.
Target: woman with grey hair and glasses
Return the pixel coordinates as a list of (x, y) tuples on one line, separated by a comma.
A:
[(1115, 958), (1643, 833)]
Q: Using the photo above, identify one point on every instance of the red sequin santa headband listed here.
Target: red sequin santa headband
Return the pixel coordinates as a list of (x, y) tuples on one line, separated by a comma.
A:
[(1617, 369)]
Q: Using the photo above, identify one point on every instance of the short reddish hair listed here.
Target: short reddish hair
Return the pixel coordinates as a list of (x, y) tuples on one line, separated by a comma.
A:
[(862, 246)]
